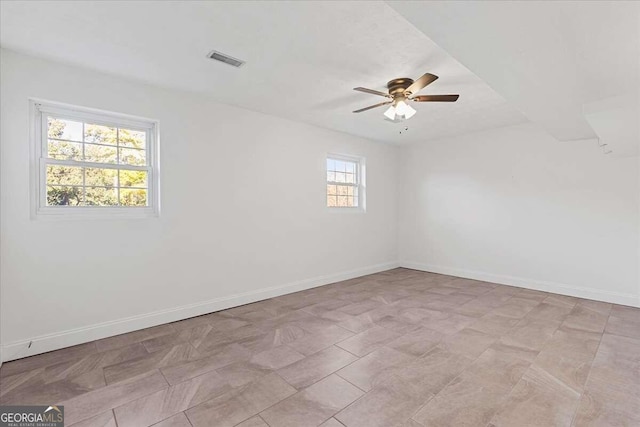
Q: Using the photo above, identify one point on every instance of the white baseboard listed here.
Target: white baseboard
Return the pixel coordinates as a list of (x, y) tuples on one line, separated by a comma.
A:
[(538, 285), (55, 341)]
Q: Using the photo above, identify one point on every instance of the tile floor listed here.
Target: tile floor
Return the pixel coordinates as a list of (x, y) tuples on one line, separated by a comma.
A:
[(399, 348)]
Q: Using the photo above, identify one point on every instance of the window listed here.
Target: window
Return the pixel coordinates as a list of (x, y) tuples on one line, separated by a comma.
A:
[(88, 162), (345, 182)]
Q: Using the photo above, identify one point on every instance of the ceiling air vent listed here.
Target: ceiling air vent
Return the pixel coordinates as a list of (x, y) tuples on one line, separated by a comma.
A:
[(225, 58)]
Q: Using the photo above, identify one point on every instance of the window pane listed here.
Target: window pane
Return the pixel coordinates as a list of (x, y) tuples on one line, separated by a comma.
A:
[(350, 178), (64, 150), (340, 177), (331, 165), (133, 178), (64, 175), (332, 190), (331, 176), (343, 190), (133, 197), (101, 177), (343, 201), (132, 138), (64, 196), (100, 153), (350, 167), (99, 196), (130, 156), (332, 201), (64, 129), (100, 134)]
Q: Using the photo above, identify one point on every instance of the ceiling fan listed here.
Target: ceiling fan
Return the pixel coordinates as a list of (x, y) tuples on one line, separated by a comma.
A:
[(402, 90)]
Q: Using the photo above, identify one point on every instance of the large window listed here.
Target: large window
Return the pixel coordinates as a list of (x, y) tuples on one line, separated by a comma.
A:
[(91, 162), (345, 182)]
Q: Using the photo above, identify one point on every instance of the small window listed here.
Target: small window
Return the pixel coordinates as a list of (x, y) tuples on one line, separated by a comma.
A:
[(345, 182), (90, 162)]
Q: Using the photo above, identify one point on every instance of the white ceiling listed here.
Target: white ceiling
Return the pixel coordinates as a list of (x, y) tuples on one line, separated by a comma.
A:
[(303, 58), (549, 59)]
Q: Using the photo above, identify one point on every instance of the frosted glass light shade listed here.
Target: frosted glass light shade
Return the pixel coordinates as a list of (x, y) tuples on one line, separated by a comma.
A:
[(391, 113)]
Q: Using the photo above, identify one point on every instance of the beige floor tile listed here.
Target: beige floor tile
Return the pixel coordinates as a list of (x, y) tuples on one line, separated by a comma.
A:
[(418, 342), (415, 336), (476, 307), (315, 367), (546, 311), (561, 300), (598, 306), (468, 342), (608, 408), (170, 401), (240, 404), (39, 392), (276, 357), (332, 422), (357, 324), (620, 347), (314, 342), (537, 400), (242, 373), (585, 319), (164, 358), (357, 308), (47, 359), (532, 333), (515, 307), (625, 312), (627, 327), (74, 368), (193, 335), (313, 405), (368, 341), (388, 404), (494, 324), (433, 371), (500, 367), (133, 337), (467, 401), (253, 422), (102, 420), (616, 370), (95, 402), (421, 315), (178, 420), (375, 367), (225, 355), (450, 324)]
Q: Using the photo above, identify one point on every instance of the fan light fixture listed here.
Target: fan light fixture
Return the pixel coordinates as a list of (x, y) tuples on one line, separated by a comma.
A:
[(400, 111), (403, 90)]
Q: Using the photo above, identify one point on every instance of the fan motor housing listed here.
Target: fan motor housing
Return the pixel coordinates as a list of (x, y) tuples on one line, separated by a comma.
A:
[(398, 86)]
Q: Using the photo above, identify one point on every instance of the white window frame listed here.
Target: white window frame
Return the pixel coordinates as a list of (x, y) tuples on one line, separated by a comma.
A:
[(361, 182), (39, 109)]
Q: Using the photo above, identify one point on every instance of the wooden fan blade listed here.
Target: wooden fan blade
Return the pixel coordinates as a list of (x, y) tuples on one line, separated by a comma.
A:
[(371, 91), (373, 106), (421, 83), (435, 98)]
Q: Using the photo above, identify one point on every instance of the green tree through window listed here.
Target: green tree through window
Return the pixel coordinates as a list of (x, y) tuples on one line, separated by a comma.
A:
[(118, 185)]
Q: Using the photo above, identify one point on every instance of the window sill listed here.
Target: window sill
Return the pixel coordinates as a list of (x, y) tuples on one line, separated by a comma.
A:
[(89, 213)]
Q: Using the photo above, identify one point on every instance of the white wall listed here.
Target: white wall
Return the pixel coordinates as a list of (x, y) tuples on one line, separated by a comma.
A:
[(243, 211), (515, 206)]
